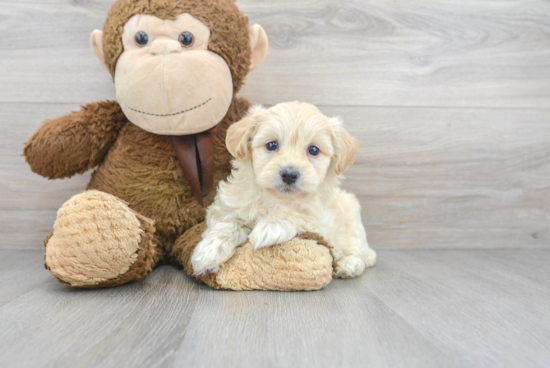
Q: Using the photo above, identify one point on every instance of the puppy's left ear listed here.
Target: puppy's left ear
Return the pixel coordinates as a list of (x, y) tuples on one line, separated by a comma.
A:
[(347, 148), (237, 138)]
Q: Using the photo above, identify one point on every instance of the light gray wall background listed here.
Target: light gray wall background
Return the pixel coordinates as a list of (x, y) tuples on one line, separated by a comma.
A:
[(450, 101)]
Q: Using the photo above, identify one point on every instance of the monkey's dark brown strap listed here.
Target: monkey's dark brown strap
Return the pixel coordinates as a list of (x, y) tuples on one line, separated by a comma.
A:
[(195, 154)]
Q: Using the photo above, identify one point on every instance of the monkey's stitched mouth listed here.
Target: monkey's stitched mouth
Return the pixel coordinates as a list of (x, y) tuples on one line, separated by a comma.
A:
[(175, 113)]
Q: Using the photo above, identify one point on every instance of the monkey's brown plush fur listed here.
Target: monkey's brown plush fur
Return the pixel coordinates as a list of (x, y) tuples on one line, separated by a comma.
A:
[(162, 194), (138, 204), (135, 166), (75, 143)]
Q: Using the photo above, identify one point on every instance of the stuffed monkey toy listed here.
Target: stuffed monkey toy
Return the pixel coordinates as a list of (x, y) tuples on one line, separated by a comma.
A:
[(159, 152)]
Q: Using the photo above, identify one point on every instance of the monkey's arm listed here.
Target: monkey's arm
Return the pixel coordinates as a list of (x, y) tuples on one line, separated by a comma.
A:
[(75, 143)]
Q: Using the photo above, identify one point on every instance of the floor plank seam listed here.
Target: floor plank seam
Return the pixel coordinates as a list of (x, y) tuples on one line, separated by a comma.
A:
[(404, 321)]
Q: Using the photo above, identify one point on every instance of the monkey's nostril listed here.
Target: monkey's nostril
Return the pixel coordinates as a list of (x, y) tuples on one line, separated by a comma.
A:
[(165, 47), (290, 176)]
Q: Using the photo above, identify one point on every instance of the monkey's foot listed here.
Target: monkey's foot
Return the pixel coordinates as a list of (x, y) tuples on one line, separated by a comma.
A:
[(98, 241), (303, 263)]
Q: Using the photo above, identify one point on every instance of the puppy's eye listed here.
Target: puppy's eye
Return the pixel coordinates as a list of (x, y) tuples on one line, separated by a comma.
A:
[(272, 146), (314, 151), (141, 38), (186, 39)]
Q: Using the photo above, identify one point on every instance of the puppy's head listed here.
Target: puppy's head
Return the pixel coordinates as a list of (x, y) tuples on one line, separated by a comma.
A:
[(292, 147)]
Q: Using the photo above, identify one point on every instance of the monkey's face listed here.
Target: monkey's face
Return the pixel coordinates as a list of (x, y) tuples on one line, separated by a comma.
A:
[(177, 76), (167, 81)]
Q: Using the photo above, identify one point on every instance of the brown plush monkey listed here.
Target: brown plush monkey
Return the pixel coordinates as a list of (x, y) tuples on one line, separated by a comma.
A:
[(160, 152)]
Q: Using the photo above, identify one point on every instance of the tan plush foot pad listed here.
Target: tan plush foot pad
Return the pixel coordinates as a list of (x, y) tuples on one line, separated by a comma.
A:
[(98, 241), (303, 263)]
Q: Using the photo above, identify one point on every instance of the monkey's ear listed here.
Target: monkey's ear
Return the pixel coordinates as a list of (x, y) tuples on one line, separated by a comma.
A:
[(96, 41), (258, 45), (347, 147), (237, 138)]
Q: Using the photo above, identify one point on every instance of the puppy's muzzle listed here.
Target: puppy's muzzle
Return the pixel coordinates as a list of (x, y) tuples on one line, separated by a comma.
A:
[(290, 175)]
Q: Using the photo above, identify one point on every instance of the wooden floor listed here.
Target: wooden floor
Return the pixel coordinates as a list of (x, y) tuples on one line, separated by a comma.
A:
[(423, 309), (450, 101)]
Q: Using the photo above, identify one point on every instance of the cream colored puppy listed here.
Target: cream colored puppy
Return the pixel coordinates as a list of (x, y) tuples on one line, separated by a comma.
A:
[(285, 181)]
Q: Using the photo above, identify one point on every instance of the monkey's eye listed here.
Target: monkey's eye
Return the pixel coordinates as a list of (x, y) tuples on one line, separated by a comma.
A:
[(314, 151), (141, 38), (272, 146), (187, 39)]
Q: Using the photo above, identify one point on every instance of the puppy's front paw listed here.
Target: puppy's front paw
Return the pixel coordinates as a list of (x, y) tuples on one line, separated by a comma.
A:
[(210, 254), (370, 259), (349, 267), (266, 233)]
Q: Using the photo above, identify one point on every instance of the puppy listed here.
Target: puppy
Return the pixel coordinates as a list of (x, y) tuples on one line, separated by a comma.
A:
[(285, 180)]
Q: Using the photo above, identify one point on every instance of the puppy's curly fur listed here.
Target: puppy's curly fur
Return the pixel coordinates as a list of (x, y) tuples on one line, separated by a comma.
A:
[(285, 181)]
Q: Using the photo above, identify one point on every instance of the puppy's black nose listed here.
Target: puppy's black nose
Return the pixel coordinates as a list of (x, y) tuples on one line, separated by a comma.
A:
[(290, 175)]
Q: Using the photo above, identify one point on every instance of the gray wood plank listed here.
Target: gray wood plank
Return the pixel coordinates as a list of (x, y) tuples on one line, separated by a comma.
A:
[(20, 272), (453, 178), (464, 306), (134, 325), (328, 52), (345, 325), (472, 317), (414, 309), (535, 271), (426, 177), (403, 53)]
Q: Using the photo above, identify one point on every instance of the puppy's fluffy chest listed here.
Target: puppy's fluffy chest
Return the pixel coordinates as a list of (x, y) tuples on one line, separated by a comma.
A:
[(308, 214), (248, 203)]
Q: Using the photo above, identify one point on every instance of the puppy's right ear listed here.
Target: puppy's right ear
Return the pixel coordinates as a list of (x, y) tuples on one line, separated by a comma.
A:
[(237, 138), (346, 146), (347, 150)]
